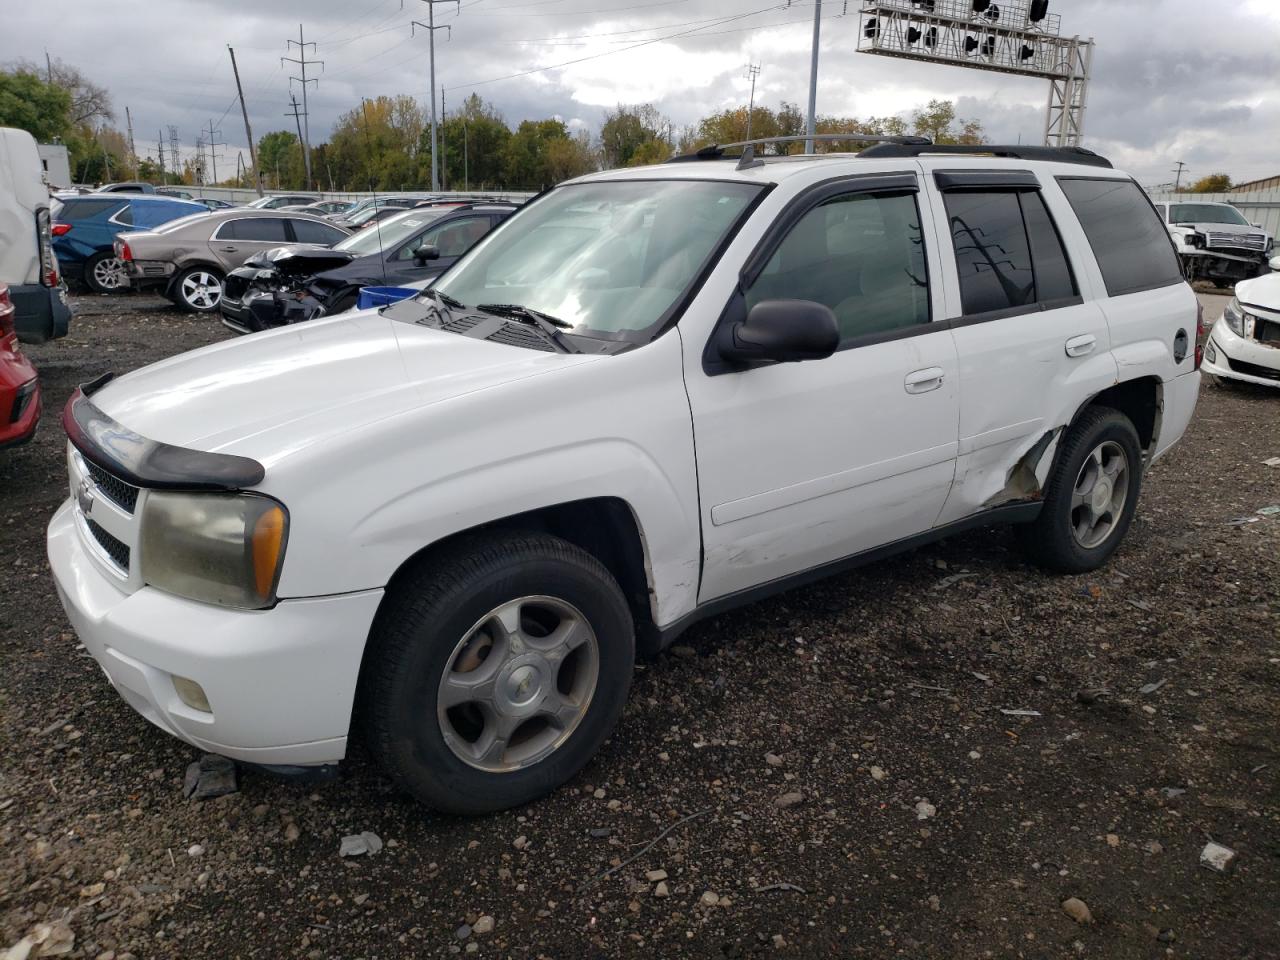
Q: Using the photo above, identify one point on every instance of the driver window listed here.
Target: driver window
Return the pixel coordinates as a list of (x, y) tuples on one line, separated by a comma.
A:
[(454, 238), (860, 254)]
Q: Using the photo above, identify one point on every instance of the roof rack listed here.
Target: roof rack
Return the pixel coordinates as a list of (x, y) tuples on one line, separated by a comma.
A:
[(1019, 152), (716, 151)]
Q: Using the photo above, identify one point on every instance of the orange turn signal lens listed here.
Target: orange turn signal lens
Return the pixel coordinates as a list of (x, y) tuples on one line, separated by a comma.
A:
[(268, 546)]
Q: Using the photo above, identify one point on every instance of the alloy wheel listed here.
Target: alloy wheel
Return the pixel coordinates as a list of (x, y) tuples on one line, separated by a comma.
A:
[(518, 684), (1099, 495), (109, 274), (201, 290)]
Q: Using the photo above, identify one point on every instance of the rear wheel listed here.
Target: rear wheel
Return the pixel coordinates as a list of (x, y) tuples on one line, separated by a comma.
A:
[(495, 672), (1091, 495), (105, 273), (198, 289)]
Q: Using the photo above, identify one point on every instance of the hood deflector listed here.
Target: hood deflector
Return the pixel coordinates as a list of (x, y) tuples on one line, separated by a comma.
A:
[(149, 463)]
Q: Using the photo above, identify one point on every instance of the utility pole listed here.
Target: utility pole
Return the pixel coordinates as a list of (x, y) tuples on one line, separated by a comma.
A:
[(48, 66), (1177, 183), (431, 28), (301, 61), (466, 181), (813, 77), (297, 119), (248, 132), (753, 71), (444, 151), (213, 146), (133, 153)]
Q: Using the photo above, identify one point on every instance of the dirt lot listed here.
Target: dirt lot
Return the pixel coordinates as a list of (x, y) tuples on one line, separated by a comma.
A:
[(926, 822)]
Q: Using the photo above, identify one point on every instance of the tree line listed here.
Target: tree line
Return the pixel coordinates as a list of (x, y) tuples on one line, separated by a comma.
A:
[(384, 143)]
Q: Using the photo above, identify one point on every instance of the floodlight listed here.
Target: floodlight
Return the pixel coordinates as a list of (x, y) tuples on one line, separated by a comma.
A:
[(913, 34), (993, 13), (931, 37), (989, 46), (1038, 11), (970, 44), (980, 5), (872, 29), (1027, 52)]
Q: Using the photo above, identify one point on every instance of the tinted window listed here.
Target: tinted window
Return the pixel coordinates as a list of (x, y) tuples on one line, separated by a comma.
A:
[(455, 238), (1054, 280), (73, 210), (993, 255), (152, 213), (124, 216), (862, 255), (1131, 243), (262, 229), (308, 231)]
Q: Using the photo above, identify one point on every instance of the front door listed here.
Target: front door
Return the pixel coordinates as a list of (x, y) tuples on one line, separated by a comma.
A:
[(801, 464)]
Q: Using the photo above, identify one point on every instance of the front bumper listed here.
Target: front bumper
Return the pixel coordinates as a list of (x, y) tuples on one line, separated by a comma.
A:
[(280, 682), (1239, 358)]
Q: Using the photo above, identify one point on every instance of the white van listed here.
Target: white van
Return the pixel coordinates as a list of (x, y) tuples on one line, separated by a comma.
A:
[(27, 263)]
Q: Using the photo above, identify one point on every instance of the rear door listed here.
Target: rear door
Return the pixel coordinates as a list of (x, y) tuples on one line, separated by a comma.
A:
[(236, 240), (1033, 342)]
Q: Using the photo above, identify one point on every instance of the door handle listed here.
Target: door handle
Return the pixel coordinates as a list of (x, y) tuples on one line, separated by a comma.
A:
[(230, 249), (922, 381), (1082, 345)]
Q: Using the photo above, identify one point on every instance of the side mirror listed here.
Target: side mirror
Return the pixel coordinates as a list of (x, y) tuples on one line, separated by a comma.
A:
[(783, 331), (426, 252)]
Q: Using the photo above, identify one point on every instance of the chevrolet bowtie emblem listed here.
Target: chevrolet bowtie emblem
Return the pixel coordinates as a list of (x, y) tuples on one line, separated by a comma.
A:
[(84, 497)]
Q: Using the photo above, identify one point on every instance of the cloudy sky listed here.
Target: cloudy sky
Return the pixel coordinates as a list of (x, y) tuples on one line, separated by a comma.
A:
[(1190, 80)]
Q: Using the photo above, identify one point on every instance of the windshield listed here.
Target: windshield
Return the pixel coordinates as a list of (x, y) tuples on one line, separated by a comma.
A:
[(1205, 213), (387, 233), (606, 259)]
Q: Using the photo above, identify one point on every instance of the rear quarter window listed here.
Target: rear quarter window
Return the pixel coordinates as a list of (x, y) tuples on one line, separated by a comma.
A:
[(73, 210), (1128, 237)]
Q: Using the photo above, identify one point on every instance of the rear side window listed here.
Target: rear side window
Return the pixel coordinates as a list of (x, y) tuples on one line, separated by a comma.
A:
[(308, 231), (1008, 253), (263, 229), (73, 210), (1131, 243)]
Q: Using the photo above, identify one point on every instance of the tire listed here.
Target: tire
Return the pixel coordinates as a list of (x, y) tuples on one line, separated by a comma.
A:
[(441, 624), (1062, 538), (105, 273), (197, 289)]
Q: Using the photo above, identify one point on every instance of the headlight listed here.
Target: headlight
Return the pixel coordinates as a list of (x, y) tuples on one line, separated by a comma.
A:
[(1195, 240), (1234, 316), (215, 547)]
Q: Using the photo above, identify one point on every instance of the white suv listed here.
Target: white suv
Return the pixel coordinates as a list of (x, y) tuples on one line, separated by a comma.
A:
[(651, 395)]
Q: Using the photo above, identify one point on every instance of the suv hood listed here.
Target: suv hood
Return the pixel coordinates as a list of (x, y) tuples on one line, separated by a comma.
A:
[(272, 395)]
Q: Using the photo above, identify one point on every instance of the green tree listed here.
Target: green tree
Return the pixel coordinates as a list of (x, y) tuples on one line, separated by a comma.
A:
[(1214, 183), (90, 103), (30, 104), (541, 153), (633, 135), (475, 141), (937, 120), (280, 160)]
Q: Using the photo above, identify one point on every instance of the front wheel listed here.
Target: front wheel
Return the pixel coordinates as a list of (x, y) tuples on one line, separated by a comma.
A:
[(1091, 495), (496, 671), (105, 273), (198, 289)]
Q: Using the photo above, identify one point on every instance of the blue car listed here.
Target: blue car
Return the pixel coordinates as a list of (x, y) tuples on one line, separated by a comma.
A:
[(85, 227)]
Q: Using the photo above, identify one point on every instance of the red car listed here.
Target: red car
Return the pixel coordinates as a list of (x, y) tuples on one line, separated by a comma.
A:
[(19, 388)]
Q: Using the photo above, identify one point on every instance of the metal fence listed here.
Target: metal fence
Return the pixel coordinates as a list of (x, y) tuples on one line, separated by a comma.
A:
[(1262, 208)]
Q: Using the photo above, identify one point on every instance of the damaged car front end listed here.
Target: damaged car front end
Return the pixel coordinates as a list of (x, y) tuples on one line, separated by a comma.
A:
[(272, 288), (1216, 243), (1244, 345)]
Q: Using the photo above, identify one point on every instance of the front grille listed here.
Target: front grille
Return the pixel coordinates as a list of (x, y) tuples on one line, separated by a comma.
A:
[(117, 550), (520, 336), (1244, 241), (122, 494), (1253, 370)]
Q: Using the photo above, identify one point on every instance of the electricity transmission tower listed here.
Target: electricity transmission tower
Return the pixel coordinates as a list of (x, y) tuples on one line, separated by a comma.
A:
[(302, 61), (174, 165), (753, 71), (431, 28)]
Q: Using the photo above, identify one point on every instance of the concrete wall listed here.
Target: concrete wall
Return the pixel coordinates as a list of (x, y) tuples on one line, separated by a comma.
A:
[(1262, 208), (233, 195)]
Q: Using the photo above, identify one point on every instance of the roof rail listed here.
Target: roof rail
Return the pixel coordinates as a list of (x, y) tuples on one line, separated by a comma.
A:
[(1019, 152), (716, 151)]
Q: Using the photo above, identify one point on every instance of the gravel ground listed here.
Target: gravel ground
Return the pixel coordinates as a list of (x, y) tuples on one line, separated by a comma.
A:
[(852, 785)]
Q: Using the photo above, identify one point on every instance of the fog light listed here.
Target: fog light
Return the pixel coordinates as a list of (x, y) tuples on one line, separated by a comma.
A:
[(1211, 353), (192, 694)]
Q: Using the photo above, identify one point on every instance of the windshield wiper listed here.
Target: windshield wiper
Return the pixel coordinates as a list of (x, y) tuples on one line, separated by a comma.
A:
[(548, 324)]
